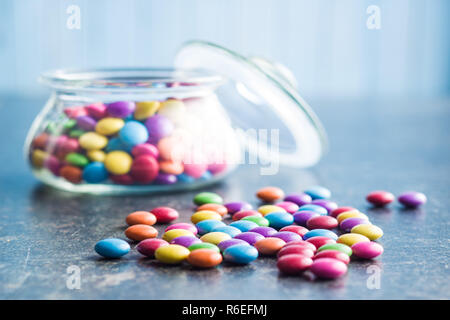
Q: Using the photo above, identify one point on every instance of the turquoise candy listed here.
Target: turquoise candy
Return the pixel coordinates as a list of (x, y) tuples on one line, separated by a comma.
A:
[(112, 248), (95, 172), (315, 208), (232, 231), (240, 254), (133, 133), (320, 233), (115, 144), (279, 220), (244, 225), (318, 192), (206, 226)]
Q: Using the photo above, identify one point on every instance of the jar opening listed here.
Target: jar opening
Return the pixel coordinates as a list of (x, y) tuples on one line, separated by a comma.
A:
[(130, 79)]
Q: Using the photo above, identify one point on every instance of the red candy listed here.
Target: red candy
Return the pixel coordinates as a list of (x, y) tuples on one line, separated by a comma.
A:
[(296, 229), (298, 249), (340, 210), (380, 198), (302, 243), (293, 263), (335, 254), (124, 179), (165, 214), (320, 241), (148, 247), (144, 169), (322, 222)]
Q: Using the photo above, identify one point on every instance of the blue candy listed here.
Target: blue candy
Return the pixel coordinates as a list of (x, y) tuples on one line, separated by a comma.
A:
[(184, 178), (206, 176), (320, 233), (240, 253), (318, 192), (117, 144), (315, 208), (232, 231), (206, 226), (95, 172), (133, 133), (112, 248), (244, 225), (279, 220)]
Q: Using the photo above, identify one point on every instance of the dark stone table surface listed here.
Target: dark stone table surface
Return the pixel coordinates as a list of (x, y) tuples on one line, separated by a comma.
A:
[(395, 145)]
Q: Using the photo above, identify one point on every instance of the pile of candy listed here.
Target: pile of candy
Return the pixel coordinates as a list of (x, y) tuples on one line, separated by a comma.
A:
[(126, 142), (296, 230)]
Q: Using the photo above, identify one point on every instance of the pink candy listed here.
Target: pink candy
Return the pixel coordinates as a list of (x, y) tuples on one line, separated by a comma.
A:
[(145, 148), (367, 250), (328, 268), (288, 206)]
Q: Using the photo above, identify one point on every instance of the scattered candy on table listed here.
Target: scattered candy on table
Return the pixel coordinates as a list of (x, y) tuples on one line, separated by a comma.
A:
[(380, 198), (112, 248), (412, 199)]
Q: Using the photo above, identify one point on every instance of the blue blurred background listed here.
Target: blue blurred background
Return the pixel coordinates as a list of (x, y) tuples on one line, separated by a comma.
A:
[(325, 43)]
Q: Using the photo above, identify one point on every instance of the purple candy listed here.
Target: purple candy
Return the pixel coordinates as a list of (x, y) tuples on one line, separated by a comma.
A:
[(249, 237), (412, 199), (299, 198), (230, 242), (349, 223), (234, 207), (264, 231), (86, 123), (120, 109), (302, 217), (287, 236), (165, 178), (327, 204), (158, 127), (185, 241)]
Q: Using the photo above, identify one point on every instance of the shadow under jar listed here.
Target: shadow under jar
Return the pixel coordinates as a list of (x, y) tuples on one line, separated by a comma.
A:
[(131, 130)]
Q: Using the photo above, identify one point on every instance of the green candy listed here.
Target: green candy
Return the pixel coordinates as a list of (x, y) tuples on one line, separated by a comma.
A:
[(336, 246), (260, 221), (69, 124), (203, 245), (76, 133), (207, 197), (77, 159), (53, 128)]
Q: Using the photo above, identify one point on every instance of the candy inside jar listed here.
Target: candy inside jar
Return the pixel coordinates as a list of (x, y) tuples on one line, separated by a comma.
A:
[(133, 145)]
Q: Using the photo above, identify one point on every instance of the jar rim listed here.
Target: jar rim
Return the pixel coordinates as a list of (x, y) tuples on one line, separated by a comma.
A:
[(140, 79)]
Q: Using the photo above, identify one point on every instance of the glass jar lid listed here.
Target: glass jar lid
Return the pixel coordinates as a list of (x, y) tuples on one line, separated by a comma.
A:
[(261, 98)]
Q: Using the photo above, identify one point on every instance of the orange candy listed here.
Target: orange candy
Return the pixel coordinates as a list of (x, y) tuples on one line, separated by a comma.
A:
[(220, 209), (269, 246), (270, 194), (171, 167), (204, 258), (139, 232), (71, 173), (141, 217)]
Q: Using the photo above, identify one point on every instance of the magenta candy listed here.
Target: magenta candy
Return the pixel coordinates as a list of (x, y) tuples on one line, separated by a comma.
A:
[(216, 168), (327, 204), (302, 217), (234, 207), (347, 224), (185, 241), (86, 123), (182, 225), (96, 110), (165, 178), (69, 145), (367, 250), (148, 247), (230, 242), (195, 170), (299, 199), (264, 231), (328, 268), (412, 199), (145, 148), (53, 164), (120, 109), (287, 236), (289, 206), (249, 237), (158, 127)]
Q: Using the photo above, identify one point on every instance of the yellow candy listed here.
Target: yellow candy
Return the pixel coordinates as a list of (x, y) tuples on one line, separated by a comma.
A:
[(205, 215), (351, 214), (96, 155), (175, 233), (118, 162), (215, 237), (352, 238), (146, 109), (109, 126), (173, 109), (369, 230), (269, 208), (38, 158), (92, 141), (171, 254)]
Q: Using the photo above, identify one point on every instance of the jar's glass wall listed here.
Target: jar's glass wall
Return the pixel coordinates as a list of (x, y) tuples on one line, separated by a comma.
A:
[(140, 142)]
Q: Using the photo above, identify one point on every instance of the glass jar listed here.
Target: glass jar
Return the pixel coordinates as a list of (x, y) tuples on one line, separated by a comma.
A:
[(134, 130)]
